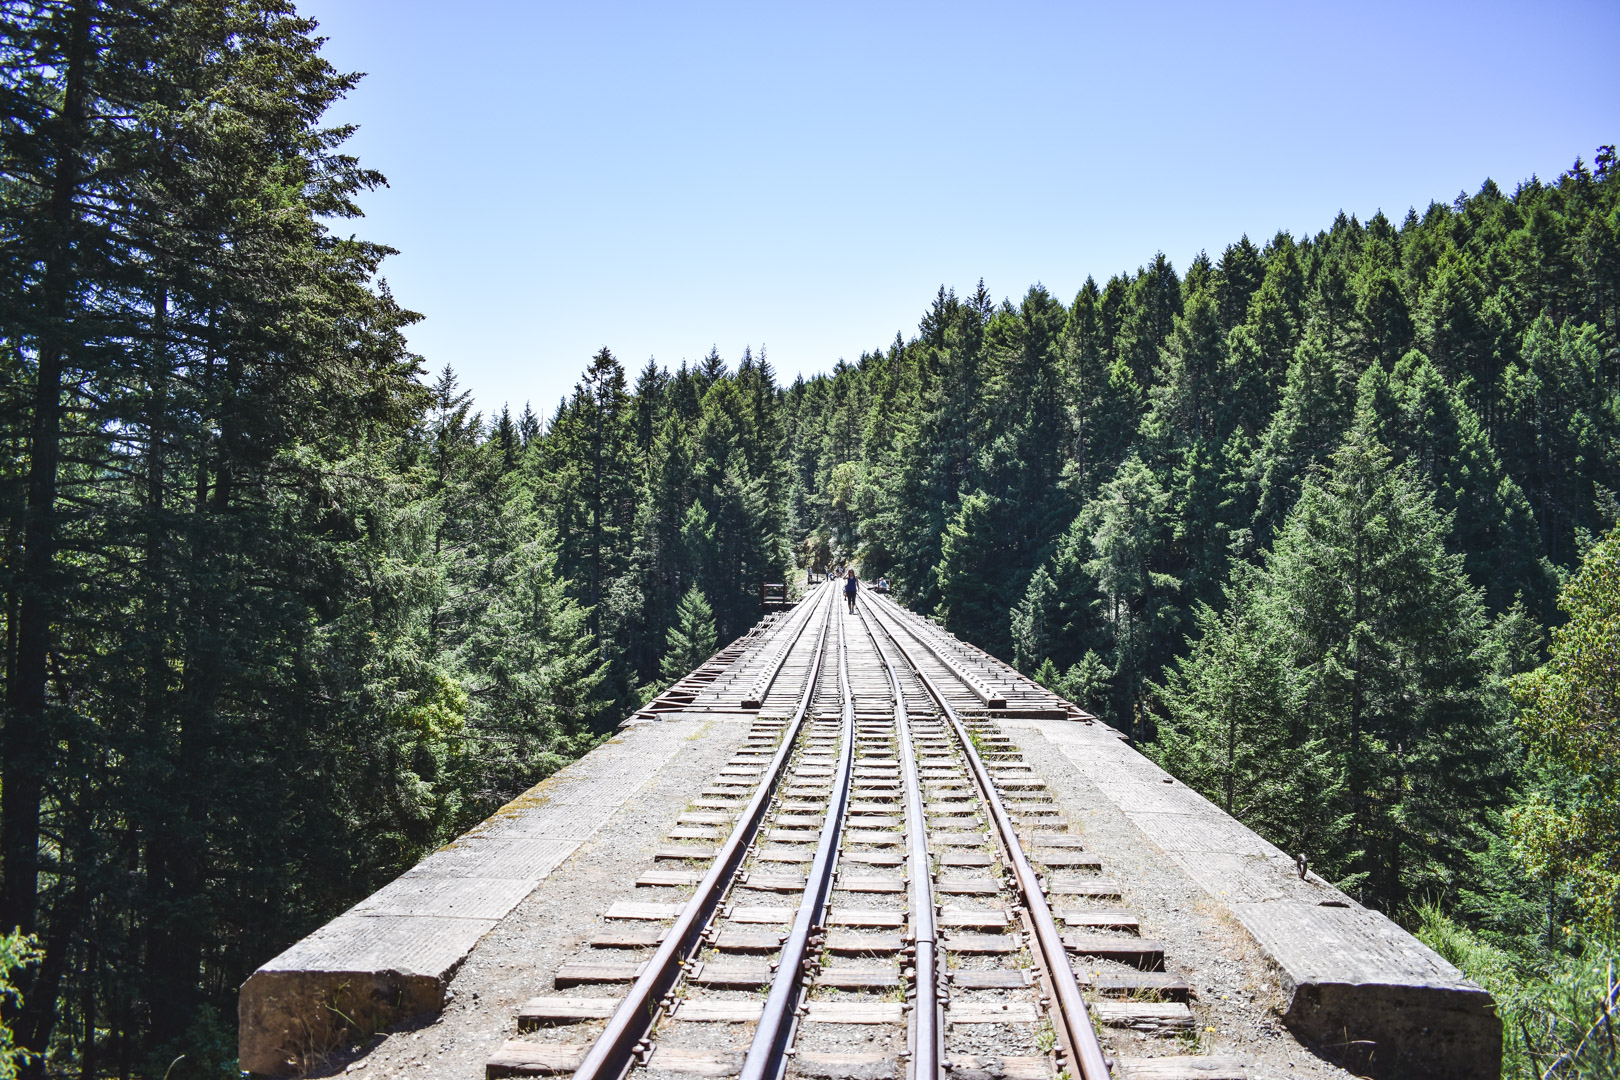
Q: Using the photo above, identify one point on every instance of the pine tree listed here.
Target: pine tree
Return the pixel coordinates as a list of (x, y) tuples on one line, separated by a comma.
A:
[(1187, 404), (1390, 649), (1313, 415), (1031, 639), (1106, 411), (649, 407), (711, 369), (1237, 278), (1425, 421), (1087, 682), (528, 427), (507, 438), (1383, 312), (588, 463), (1127, 525), (933, 459), (1152, 303), (1232, 730), (1205, 484), (1452, 330), (972, 574), (738, 479), (1560, 432), (691, 640), (1260, 351), (1059, 618), (1024, 467)]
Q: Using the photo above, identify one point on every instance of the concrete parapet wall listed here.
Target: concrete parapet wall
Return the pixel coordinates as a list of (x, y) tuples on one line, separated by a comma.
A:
[(1357, 986), (391, 957)]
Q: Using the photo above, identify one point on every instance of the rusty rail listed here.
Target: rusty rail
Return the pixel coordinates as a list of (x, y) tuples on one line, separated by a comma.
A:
[(1079, 1037), (626, 1033), (980, 688), (755, 697)]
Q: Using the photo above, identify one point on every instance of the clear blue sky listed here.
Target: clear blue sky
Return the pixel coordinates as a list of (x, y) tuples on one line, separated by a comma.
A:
[(661, 177)]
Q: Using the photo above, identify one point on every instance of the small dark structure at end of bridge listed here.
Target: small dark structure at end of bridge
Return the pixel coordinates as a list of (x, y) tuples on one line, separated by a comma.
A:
[(773, 596)]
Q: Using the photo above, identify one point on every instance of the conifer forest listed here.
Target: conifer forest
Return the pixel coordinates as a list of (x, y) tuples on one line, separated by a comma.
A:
[(1327, 524)]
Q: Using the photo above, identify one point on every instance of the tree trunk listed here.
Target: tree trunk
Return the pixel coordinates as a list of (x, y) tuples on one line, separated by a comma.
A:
[(173, 949), (27, 739), (37, 1019)]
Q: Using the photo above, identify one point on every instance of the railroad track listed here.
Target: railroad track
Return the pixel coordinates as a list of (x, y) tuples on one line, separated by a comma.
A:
[(884, 901)]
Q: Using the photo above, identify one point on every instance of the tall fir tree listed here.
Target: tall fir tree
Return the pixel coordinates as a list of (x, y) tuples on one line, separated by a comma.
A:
[(1232, 728), (1391, 649), (692, 639)]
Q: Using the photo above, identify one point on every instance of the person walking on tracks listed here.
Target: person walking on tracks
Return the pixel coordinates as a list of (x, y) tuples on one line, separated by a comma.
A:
[(851, 585)]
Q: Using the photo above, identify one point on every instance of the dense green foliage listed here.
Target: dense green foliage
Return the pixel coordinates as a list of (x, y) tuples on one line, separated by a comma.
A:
[(1556, 981), (16, 951), (1297, 522), (280, 614), (691, 640), (1558, 1006), (1368, 666), (1571, 723), (211, 674), (278, 617)]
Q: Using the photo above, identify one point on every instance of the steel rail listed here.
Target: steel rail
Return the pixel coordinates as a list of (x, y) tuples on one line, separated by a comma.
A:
[(761, 687), (980, 688), (928, 1050), (766, 1058), (614, 1050), (1080, 1035)]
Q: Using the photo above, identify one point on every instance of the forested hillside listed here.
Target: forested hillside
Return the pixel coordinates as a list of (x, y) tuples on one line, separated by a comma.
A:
[(1297, 519), (1307, 519), (281, 614)]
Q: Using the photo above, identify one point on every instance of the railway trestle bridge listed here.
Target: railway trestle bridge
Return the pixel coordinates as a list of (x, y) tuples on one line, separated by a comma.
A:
[(850, 845)]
